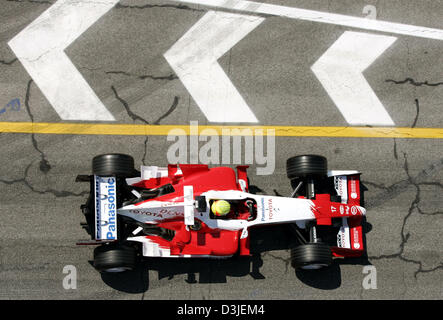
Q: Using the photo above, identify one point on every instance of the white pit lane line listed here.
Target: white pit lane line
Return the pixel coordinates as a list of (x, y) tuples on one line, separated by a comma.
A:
[(322, 17)]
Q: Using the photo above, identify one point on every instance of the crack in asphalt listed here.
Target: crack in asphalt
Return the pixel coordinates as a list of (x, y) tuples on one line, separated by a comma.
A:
[(437, 184), (395, 149), (143, 77), (157, 122), (121, 5), (393, 190), (286, 261), (8, 63), (26, 267), (169, 111), (131, 114), (414, 123), (44, 164), (420, 270), (56, 193), (415, 83), (414, 206), (136, 117), (31, 1), (420, 211), (417, 106), (149, 6)]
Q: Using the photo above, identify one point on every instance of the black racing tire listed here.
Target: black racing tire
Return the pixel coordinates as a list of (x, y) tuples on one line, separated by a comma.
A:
[(309, 165), (311, 256), (113, 164), (114, 258)]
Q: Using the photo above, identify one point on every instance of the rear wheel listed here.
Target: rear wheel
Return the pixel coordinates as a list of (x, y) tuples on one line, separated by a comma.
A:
[(113, 164), (114, 258), (311, 256)]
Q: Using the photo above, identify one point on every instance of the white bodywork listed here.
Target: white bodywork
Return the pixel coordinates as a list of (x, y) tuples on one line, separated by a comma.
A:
[(270, 210)]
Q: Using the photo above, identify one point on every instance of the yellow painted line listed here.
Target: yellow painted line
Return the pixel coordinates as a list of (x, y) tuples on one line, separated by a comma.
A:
[(163, 130)]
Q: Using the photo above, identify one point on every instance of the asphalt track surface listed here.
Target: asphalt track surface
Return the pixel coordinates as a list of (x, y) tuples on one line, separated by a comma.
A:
[(121, 58)]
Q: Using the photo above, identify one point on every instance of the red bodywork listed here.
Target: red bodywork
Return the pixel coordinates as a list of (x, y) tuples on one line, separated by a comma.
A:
[(216, 242), (205, 241)]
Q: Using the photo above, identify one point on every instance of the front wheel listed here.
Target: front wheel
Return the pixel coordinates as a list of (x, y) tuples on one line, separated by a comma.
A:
[(114, 258), (311, 256), (309, 165)]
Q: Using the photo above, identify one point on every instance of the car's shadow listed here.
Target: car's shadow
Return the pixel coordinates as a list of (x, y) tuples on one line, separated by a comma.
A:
[(263, 241)]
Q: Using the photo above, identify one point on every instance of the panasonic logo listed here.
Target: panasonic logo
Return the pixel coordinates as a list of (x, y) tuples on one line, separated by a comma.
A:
[(111, 209)]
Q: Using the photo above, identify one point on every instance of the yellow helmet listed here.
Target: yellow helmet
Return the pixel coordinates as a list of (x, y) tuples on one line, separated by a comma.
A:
[(220, 207)]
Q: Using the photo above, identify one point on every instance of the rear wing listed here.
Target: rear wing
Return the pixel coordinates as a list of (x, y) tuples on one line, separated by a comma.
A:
[(105, 191)]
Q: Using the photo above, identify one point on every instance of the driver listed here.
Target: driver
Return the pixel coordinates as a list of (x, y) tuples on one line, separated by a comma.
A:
[(220, 208)]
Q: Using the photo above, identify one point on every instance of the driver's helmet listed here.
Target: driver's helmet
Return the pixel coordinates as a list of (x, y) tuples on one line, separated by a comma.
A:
[(220, 207)]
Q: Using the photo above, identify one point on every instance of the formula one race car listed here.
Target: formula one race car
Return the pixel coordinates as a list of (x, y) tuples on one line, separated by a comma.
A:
[(192, 210)]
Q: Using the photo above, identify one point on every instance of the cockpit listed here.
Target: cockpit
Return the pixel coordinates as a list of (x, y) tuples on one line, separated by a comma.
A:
[(228, 209)]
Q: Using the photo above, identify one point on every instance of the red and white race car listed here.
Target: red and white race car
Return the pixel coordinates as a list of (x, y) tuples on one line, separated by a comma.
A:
[(188, 211)]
